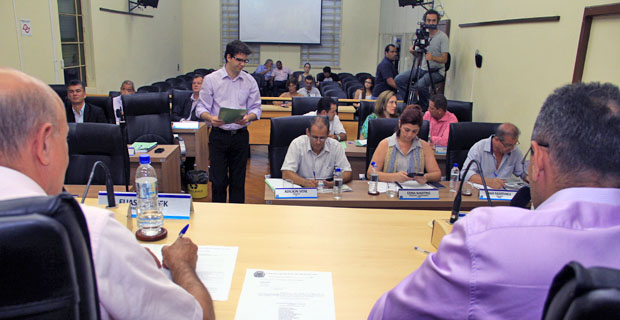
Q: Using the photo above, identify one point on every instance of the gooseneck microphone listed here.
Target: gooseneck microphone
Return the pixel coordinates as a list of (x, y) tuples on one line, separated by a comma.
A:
[(109, 185), (456, 205)]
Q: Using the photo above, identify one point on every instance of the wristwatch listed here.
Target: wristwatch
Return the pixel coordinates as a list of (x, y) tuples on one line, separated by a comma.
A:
[(338, 137)]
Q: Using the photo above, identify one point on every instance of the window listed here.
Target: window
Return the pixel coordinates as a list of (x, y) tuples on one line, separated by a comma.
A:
[(230, 29), (72, 39), (328, 52)]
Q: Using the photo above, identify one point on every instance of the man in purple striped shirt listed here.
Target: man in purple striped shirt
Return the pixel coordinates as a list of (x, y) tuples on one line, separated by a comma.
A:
[(231, 88), (498, 263)]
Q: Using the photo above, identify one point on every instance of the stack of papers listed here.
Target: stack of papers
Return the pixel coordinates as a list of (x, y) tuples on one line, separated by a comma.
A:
[(361, 143), (144, 146)]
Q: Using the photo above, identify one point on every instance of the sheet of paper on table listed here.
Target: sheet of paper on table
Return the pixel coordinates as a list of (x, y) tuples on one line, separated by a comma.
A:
[(300, 295), (382, 186), (185, 125), (215, 267)]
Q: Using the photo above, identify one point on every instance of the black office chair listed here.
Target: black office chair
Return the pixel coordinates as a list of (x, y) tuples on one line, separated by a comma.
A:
[(344, 75), (578, 293), (352, 88), (260, 81), (106, 105), (303, 105), (185, 77), (61, 90), (283, 131), (295, 76), (47, 268), (202, 71), (179, 97), (335, 94), (328, 85), (441, 85), (145, 89), (365, 109), (463, 135), (462, 110), (379, 129), (163, 86), (173, 82), (359, 75), (92, 142), (148, 117)]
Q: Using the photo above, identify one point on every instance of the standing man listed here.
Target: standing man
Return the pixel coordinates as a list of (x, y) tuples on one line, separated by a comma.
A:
[(384, 77), (185, 111), (437, 56), (499, 262), (309, 90), (127, 87), (439, 119), (78, 110), (229, 146)]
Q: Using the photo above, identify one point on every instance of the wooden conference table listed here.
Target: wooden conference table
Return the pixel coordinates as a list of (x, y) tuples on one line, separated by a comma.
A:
[(167, 165), (196, 144), (367, 251), (359, 198)]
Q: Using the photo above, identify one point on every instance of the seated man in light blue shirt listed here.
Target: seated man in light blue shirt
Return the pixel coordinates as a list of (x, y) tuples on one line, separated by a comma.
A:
[(498, 157)]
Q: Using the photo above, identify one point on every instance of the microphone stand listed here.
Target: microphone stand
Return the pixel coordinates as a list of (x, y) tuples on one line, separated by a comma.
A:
[(109, 186), (456, 206)]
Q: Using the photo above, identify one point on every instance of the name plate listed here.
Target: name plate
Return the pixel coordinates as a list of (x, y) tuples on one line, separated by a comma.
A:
[(498, 194), (173, 205), (441, 150), (418, 194), (296, 193)]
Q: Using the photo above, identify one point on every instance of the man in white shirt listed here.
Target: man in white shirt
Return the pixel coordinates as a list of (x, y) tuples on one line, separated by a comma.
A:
[(127, 87), (328, 107), (309, 90), (314, 156), (33, 161)]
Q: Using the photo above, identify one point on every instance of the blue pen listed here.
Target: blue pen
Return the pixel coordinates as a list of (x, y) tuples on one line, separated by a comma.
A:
[(314, 174), (183, 231)]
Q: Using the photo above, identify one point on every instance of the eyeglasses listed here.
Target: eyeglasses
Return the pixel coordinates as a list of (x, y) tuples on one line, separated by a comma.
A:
[(241, 60), (541, 144), (315, 138), (509, 146)]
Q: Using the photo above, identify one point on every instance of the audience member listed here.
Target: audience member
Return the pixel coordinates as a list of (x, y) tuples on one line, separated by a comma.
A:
[(229, 146), (265, 69), (280, 76), (499, 262), (403, 156), (386, 71), (185, 111), (306, 73), (385, 107), (328, 107), (292, 92), (498, 157), (314, 156), (327, 76), (309, 90), (33, 161), (364, 92), (79, 111), (127, 87), (439, 119)]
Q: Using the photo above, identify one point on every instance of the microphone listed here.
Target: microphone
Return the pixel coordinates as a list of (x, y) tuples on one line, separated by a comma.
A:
[(456, 205), (109, 185)]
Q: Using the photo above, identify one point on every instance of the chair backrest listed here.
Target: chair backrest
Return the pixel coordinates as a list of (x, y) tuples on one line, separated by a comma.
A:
[(47, 268), (148, 117), (173, 82), (106, 105), (303, 105), (179, 97), (202, 71), (359, 75), (163, 86), (343, 75), (148, 89), (463, 135), (335, 93), (379, 129), (580, 293), (352, 88), (365, 109), (296, 76), (283, 131), (92, 142), (61, 90), (328, 85), (462, 110)]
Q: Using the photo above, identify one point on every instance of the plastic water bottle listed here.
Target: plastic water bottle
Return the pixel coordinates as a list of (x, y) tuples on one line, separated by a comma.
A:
[(373, 185), (454, 177), (338, 184), (150, 217)]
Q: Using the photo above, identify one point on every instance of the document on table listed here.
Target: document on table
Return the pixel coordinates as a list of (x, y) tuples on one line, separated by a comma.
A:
[(299, 295), (215, 267), (411, 184)]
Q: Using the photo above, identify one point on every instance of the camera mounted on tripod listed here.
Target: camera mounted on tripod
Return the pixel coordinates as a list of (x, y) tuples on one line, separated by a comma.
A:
[(422, 36)]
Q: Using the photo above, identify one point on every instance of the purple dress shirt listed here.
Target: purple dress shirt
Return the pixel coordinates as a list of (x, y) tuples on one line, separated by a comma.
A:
[(440, 129), (220, 90), (498, 263)]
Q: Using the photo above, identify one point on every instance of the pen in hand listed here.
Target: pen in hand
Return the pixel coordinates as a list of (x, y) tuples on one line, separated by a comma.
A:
[(421, 250), (183, 231)]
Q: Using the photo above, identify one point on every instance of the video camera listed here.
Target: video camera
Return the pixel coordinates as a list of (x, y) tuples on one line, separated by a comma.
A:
[(422, 36)]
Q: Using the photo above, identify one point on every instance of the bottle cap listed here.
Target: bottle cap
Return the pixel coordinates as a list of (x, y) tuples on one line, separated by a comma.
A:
[(337, 169), (145, 159), (456, 164)]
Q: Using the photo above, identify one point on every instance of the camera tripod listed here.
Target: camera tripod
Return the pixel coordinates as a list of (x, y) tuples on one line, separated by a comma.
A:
[(412, 88)]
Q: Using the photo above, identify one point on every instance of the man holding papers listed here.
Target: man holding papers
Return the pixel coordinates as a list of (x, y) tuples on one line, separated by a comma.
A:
[(229, 88), (498, 263), (33, 161), (313, 157)]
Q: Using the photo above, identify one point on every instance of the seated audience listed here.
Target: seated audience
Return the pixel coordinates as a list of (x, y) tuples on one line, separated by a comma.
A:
[(306, 73), (499, 262), (326, 76), (185, 111), (498, 156), (314, 156), (365, 92), (280, 77), (328, 107), (439, 119), (403, 153), (127, 87), (265, 69), (309, 90), (79, 111), (292, 92), (385, 107), (33, 161)]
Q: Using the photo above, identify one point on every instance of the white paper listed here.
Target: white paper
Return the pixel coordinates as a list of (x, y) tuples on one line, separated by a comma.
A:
[(185, 125), (215, 267), (411, 184), (298, 295)]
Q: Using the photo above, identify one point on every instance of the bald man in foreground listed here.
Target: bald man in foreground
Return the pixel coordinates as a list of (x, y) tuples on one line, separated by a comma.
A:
[(33, 161)]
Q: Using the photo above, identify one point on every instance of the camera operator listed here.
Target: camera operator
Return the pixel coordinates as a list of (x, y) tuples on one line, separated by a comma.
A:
[(437, 56)]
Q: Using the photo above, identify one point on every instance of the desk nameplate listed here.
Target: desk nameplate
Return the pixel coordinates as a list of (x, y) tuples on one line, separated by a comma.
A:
[(174, 206), (498, 194), (296, 193), (418, 194)]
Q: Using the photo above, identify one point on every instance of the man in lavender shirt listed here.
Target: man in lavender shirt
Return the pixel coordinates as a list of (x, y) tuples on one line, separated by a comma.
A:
[(498, 263), (229, 146)]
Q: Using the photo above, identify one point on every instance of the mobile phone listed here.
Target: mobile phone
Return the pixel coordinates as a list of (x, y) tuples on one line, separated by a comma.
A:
[(159, 150), (414, 174)]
